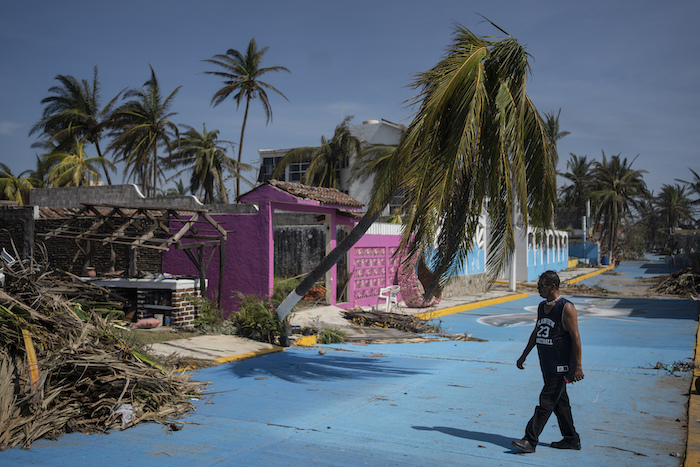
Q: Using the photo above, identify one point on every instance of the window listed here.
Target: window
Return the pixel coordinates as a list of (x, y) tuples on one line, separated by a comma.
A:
[(268, 166), (296, 171), (396, 202)]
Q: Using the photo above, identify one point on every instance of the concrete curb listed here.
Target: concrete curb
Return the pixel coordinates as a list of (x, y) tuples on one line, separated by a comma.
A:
[(573, 280), (469, 306), (235, 358)]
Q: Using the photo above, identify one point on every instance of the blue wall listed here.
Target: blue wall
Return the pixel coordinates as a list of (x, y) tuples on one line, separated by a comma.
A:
[(558, 262), (590, 251)]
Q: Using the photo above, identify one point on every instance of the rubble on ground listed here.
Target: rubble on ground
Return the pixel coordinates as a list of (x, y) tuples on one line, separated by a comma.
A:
[(685, 282), (408, 323), (67, 366), (580, 289)]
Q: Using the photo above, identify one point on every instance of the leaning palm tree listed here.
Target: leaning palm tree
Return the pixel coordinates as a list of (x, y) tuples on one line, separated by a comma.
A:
[(140, 127), (74, 168), (371, 161), (242, 77), (477, 141), (16, 187), (204, 155), (325, 160), (617, 189), (74, 111)]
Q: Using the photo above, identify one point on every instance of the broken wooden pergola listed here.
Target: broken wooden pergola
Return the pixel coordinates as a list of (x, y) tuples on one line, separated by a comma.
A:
[(190, 230)]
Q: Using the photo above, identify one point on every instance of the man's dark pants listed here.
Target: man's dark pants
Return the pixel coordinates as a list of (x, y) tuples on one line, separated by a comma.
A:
[(553, 398)]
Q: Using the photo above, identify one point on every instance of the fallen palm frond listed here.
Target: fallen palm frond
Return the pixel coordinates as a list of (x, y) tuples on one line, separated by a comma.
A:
[(685, 282), (398, 321), (84, 375)]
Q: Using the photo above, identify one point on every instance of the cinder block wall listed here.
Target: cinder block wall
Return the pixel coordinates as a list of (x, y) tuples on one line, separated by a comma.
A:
[(17, 226), (122, 195)]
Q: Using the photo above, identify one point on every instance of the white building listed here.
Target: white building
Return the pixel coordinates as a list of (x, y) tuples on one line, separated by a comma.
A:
[(370, 132)]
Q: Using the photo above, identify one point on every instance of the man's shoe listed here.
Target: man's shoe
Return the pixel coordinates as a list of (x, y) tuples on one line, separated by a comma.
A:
[(567, 443), (524, 445)]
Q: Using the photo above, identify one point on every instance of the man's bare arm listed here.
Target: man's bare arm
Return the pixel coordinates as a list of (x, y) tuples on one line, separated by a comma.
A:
[(528, 348), (570, 322)]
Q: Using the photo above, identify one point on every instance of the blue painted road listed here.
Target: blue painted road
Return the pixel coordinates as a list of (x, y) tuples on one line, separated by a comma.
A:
[(438, 403)]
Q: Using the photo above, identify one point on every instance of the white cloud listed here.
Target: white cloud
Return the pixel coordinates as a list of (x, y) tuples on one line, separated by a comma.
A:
[(7, 128)]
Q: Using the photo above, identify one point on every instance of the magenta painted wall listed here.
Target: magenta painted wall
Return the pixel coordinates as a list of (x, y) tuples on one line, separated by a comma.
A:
[(372, 265), (247, 262)]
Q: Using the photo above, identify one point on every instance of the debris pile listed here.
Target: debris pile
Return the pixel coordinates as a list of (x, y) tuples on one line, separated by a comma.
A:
[(581, 289), (684, 282), (382, 319), (66, 366)]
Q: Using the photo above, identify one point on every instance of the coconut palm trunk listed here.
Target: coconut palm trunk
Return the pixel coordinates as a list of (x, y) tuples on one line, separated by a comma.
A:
[(104, 164), (240, 147)]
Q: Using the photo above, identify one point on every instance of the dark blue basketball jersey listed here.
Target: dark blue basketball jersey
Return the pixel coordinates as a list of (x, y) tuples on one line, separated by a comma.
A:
[(553, 341)]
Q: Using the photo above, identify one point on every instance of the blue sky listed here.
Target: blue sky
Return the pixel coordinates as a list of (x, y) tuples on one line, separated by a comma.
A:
[(624, 73)]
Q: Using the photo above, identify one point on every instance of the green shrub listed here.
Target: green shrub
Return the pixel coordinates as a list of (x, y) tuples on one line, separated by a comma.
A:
[(208, 314), (257, 320)]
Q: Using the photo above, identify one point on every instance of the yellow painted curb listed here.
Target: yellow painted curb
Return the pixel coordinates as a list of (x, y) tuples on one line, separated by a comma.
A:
[(235, 358), (590, 274), (692, 450), (307, 340), (469, 306), (243, 356)]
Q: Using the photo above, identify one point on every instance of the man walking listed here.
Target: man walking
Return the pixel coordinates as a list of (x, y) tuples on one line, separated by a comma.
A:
[(559, 347)]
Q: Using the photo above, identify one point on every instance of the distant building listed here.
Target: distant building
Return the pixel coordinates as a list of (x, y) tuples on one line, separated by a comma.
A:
[(369, 132)]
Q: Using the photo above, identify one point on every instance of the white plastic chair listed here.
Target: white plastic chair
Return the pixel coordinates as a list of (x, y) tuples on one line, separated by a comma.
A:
[(389, 294)]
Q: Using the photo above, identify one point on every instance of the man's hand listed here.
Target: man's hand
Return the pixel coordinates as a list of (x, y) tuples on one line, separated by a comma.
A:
[(520, 362), (576, 375)]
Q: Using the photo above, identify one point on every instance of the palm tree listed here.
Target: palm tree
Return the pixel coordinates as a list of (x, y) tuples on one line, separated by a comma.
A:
[(552, 122), (74, 168), (15, 187), (579, 173), (203, 155), (179, 190), (324, 161), (674, 207), (694, 185), (617, 188), (40, 174), (477, 140), (140, 127), (648, 217), (242, 78), (74, 111)]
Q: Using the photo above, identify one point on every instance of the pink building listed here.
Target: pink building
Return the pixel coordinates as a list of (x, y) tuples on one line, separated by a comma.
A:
[(249, 251)]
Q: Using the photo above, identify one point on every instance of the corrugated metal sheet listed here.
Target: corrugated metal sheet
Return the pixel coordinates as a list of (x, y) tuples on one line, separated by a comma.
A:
[(382, 228)]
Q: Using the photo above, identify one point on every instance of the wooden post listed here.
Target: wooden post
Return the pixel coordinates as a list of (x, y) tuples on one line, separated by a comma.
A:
[(222, 260)]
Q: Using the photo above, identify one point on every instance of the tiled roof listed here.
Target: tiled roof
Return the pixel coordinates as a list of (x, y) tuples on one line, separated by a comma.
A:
[(322, 195)]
